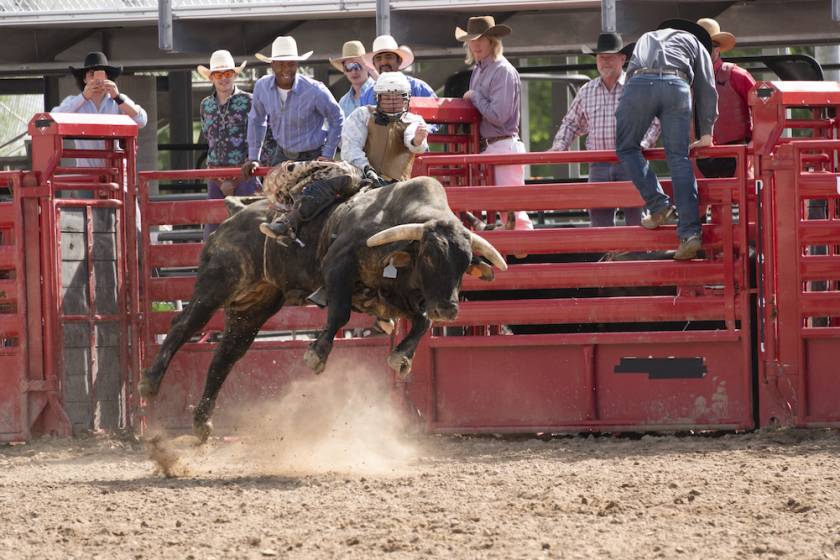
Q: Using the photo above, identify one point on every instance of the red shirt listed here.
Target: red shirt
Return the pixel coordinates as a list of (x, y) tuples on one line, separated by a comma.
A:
[(742, 81)]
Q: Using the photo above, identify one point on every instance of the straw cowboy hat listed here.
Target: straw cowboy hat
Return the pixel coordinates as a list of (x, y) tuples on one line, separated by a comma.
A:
[(479, 27), (722, 38), (386, 43), (284, 48), (219, 62), (350, 50), (96, 61), (689, 27)]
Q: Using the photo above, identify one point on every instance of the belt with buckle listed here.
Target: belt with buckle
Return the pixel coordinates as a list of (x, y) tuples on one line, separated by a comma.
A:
[(661, 72), (493, 139), (310, 154)]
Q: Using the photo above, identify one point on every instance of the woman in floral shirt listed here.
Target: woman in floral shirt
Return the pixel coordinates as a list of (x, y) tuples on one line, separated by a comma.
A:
[(224, 122)]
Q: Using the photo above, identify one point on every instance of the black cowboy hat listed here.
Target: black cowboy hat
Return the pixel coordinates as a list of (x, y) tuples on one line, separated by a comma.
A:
[(691, 27), (97, 61), (608, 43), (628, 50)]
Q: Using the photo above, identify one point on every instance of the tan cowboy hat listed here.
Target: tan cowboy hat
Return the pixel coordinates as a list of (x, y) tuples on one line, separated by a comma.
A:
[(284, 48), (350, 50), (722, 38), (480, 26), (386, 43), (219, 62)]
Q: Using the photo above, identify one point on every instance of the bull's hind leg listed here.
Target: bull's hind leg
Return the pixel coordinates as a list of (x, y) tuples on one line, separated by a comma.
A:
[(400, 358), (241, 327), (184, 326)]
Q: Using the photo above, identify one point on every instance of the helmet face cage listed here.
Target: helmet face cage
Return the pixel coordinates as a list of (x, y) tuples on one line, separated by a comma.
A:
[(393, 114)]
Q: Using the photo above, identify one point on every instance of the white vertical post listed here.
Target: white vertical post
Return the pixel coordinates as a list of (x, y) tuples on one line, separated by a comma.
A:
[(165, 25), (608, 15), (383, 17)]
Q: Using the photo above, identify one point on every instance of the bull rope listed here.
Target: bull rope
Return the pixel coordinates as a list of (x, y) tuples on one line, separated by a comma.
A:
[(265, 250)]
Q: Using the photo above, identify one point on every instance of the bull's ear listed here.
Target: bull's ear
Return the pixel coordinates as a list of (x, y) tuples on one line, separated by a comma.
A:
[(481, 270), (399, 259)]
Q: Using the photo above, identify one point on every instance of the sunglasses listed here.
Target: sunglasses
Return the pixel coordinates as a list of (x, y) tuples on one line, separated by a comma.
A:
[(351, 66), (223, 74)]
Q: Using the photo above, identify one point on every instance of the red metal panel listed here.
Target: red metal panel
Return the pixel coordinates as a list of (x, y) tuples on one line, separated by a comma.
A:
[(820, 267), (591, 310), (565, 196), (185, 212), (82, 125), (600, 275), (591, 240), (174, 255), (570, 387)]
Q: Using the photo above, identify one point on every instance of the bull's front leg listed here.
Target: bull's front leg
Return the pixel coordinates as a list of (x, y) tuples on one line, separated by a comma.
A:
[(400, 359), (339, 283)]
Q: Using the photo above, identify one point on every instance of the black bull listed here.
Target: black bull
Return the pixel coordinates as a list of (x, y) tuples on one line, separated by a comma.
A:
[(353, 250)]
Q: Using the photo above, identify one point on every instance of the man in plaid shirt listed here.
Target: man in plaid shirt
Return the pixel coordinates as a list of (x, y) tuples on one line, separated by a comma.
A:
[(592, 113)]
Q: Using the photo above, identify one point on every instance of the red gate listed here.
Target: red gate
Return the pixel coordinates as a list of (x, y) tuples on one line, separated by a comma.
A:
[(18, 391), (79, 228), (800, 189)]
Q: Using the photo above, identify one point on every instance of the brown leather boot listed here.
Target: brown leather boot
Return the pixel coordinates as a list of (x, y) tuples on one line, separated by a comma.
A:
[(655, 219), (688, 249)]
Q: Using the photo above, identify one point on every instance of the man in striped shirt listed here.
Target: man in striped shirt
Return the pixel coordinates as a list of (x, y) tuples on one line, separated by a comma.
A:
[(592, 114)]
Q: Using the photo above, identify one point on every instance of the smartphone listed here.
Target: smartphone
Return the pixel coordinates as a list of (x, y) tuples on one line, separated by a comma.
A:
[(100, 75)]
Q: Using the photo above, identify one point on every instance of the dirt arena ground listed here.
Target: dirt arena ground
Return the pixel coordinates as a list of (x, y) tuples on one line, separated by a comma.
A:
[(335, 476)]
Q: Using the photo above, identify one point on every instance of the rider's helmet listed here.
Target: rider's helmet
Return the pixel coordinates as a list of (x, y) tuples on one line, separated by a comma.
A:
[(393, 93)]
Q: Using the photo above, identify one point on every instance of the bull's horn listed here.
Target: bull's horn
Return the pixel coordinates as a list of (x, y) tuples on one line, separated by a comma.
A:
[(486, 250), (402, 232)]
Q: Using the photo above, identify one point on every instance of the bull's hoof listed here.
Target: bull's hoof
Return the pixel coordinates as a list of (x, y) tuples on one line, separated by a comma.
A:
[(313, 361), (202, 430), (401, 364), (148, 389)]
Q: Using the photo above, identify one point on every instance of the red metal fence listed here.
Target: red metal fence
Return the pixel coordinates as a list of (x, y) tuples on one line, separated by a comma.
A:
[(562, 341), (688, 363)]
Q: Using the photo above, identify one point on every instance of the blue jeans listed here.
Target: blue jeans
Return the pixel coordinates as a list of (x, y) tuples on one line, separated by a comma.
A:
[(605, 217), (669, 98)]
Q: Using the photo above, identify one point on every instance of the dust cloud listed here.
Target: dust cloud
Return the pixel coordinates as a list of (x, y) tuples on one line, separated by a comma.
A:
[(346, 420)]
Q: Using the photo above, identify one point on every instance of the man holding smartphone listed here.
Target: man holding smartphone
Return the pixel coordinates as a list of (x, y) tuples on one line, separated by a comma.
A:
[(99, 95)]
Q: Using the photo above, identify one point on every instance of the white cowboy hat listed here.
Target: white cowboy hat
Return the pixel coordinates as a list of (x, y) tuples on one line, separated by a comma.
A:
[(722, 38), (386, 43), (284, 48), (349, 51), (219, 62)]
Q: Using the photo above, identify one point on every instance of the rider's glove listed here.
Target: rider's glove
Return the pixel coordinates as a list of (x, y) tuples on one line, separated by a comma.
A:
[(372, 176)]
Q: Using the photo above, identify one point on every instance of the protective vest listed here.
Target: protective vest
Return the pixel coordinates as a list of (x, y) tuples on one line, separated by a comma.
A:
[(386, 151), (733, 123)]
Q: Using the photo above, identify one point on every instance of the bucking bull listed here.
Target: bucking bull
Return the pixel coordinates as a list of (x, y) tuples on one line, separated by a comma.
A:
[(393, 252)]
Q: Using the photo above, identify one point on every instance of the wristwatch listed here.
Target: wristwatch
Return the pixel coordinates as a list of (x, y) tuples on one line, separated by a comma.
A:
[(120, 99)]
